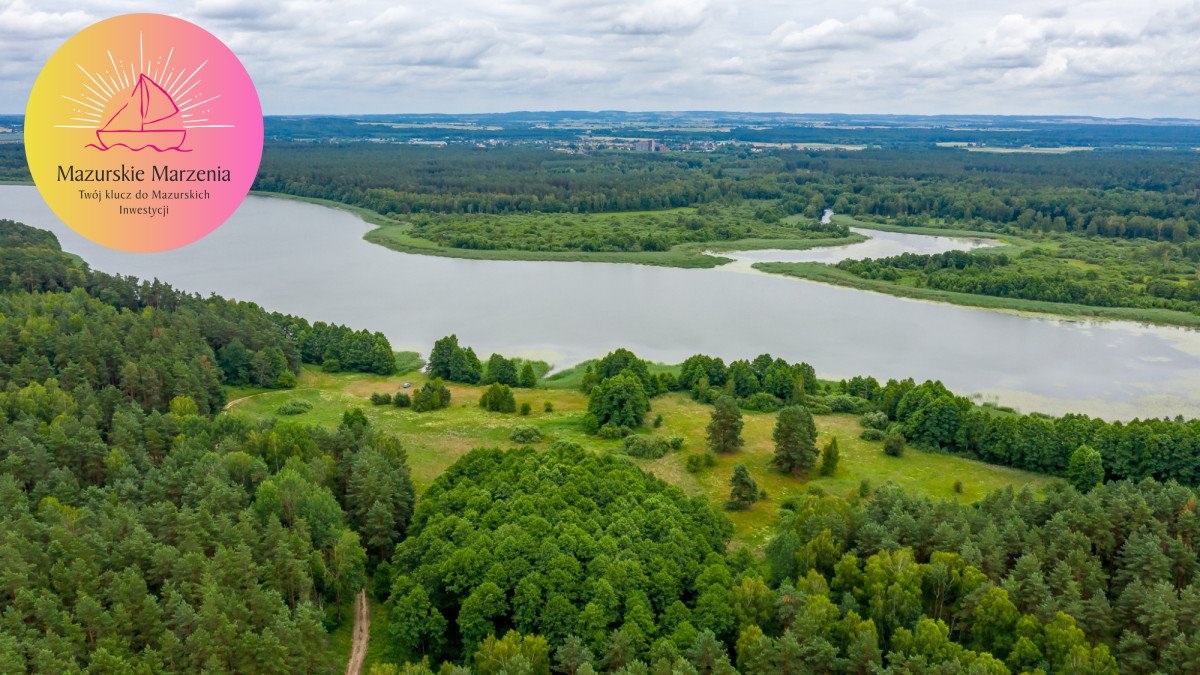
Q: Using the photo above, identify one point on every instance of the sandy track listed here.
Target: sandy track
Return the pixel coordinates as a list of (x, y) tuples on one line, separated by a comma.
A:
[(362, 634)]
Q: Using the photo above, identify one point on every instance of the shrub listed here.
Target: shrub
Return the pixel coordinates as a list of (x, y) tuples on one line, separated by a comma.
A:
[(331, 366), (620, 400), (498, 398), (380, 398), (525, 434), (401, 399), (611, 431), (844, 403), (958, 487), (431, 396), (651, 447), (874, 420), (548, 406), (872, 435), (761, 402), (830, 456), (294, 407), (658, 420), (699, 461), (894, 445), (526, 408), (819, 408)]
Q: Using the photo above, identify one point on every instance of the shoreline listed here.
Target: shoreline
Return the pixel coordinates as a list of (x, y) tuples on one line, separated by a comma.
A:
[(695, 256), (391, 234), (832, 276)]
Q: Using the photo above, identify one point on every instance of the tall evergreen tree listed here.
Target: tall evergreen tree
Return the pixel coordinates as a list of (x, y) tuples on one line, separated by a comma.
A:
[(439, 358), (528, 378), (725, 427), (744, 491), (795, 444), (500, 369), (830, 456)]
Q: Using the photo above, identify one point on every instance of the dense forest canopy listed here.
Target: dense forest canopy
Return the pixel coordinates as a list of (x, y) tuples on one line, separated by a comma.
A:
[(583, 562), (1137, 273), (139, 532), (1114, 193)]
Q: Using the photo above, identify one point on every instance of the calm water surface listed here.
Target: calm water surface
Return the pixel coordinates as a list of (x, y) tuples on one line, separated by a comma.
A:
[(310, 260)]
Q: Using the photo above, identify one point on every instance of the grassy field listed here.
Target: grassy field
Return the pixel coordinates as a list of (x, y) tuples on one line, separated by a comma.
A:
[(434, 440), (397, 235)]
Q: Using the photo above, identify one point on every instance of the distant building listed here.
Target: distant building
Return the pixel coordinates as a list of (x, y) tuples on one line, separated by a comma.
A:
[(649, 145)]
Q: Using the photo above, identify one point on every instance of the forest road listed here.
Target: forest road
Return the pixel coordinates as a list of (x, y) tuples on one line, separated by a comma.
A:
[(362, 634)]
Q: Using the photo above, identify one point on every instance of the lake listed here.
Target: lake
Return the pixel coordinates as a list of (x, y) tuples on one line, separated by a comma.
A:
[(311, 261)]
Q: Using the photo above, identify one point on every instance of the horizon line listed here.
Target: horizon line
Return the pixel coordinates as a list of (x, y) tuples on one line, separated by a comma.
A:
[(696, 111)]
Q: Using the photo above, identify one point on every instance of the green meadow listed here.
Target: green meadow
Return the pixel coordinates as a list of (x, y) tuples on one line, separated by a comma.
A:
[(434, 440)]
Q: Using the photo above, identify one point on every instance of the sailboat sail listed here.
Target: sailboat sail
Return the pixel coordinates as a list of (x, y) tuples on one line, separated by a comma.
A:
[(148, 119), (156, 103)]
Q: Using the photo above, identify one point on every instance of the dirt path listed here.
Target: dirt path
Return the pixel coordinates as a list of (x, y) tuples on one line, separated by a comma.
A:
[(362, 633), (235, 401)]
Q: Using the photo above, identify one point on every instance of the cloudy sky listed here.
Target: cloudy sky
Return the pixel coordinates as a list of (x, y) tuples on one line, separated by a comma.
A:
[(1099, 57)]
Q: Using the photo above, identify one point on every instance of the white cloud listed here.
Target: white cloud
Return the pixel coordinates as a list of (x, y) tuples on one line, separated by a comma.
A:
[(21, 21), (900, 21), (660, 17), (1026, 56)]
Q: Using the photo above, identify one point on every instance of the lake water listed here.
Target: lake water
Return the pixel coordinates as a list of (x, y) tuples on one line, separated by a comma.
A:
[(880, 245), (311, 261)]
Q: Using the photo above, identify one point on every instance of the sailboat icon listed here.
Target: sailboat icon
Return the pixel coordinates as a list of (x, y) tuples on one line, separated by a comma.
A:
[(150, 119)]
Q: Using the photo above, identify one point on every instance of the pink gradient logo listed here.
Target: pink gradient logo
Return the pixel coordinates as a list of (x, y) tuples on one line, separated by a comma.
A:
[(144, 132)]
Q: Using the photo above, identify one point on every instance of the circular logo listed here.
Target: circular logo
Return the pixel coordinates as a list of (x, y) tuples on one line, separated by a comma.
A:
[(143, 132)]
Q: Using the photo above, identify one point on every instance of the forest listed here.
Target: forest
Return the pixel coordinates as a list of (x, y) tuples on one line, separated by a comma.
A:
[(1112, 193), (144, 531), (1137, 273), (576, 563)]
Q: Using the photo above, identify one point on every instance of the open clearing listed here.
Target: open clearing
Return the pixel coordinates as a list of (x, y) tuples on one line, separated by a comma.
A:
[(434, 440)]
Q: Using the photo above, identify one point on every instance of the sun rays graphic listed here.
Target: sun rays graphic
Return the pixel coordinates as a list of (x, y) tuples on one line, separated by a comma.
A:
[(147, 103)]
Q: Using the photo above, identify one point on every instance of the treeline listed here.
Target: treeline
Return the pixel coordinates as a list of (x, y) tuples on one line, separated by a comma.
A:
[(249, 345), (1122, 194), (1032, 275), (338, 348), (931, 416), (405, 179), (138, 532), (573, 562), (454, 363), (629, 232), (1117, 193), (1114, 193), (928, 415)]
